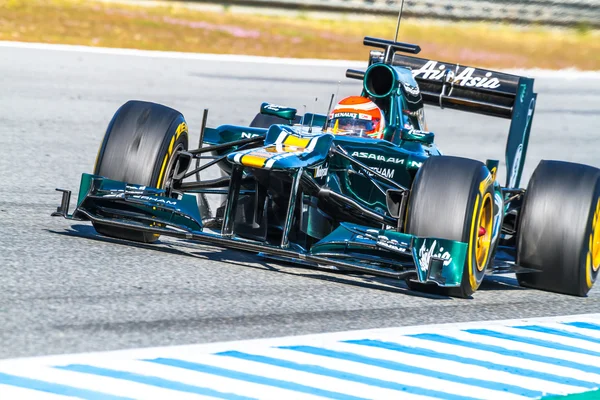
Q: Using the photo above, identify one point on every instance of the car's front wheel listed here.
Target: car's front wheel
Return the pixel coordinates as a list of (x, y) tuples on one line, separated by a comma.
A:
[(138, 148), (453, 198)]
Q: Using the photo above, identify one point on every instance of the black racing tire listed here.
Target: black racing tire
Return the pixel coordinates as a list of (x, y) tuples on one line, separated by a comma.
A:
[(137, 148), (451, 197), (559, 228), (265, 121)]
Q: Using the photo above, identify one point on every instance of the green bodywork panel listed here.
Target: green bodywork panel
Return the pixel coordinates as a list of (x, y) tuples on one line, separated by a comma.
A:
[(230, 133), (286, 157), (520, 129), (449, 269), (437, 260), (95, 191), (84, 187), (398, 162)]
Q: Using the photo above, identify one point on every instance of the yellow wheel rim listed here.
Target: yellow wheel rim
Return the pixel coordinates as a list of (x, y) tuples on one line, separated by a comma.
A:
[(484, 232), (595, 242)]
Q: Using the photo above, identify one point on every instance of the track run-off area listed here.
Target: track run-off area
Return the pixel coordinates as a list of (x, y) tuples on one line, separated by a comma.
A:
[(66, 290)]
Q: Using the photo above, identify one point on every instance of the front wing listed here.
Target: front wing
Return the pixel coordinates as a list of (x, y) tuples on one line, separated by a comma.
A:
[(350, 247)]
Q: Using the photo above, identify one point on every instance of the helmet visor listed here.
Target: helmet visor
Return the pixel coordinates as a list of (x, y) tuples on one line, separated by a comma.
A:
[(349, 125)]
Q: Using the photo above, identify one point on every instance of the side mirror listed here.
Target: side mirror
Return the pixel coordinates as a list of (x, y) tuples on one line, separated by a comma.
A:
[(278, 111), (389, 132), (418, 136)]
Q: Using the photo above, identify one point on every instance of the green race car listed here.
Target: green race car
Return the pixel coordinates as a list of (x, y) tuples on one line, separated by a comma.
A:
[(299, 189)]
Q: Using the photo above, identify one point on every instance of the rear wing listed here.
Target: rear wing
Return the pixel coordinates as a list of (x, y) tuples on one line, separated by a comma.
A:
[(481, 91), (476, 90)]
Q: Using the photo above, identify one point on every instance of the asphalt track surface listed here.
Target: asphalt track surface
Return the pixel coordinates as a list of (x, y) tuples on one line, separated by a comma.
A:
[(64, 289)]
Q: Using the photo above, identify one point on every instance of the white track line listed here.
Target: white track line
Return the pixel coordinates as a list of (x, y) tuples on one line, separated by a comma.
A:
[(464, 370), (345, 387), (528, 348), (195, 378), (100, 384), (581, 331), (496, 358), (535, 73), (575, 343), (399, 377), (12, 392)]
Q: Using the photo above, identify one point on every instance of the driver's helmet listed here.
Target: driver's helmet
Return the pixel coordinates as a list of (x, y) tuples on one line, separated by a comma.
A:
[(356, 116)]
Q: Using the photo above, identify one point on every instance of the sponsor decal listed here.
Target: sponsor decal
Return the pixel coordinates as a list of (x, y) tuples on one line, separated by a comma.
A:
[(393, 245), (180, 129), (383, 241), (155, 200), (378, 157), (246, 135), (321, 171), (132, 187), (387, 172), (522, 96), (273, 107), (129, 190), (345, 115), (515, 166), (368, 235), (412, 90), (426, 254), (416, 132), (432, 71), (116, 195), (416, 164), (498, 217)]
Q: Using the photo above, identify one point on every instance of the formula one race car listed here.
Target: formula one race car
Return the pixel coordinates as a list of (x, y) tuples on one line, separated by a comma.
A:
[(307, 190)]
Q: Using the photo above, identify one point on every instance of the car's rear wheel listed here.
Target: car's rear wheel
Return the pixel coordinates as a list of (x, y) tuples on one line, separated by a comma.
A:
[(559, 228), (138, 148), (452, 198)]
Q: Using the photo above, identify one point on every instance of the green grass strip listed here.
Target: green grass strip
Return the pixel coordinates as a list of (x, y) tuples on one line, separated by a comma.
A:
[(177, 27)]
